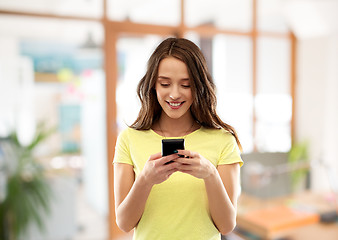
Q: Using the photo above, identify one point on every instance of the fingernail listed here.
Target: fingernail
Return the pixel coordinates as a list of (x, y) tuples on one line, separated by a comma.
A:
[(175, 151)]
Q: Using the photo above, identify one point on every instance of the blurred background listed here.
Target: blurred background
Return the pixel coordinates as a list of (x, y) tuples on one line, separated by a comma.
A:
[(68, 77)]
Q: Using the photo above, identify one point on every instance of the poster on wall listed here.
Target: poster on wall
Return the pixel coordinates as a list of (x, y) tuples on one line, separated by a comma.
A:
[(49, 58), (70, 127)]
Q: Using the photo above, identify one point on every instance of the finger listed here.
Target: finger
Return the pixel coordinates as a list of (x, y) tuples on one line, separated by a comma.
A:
[(167, 159), (168, 169), (155, 156), (184, 167), (172, 166), (186, 153), (186, 161)]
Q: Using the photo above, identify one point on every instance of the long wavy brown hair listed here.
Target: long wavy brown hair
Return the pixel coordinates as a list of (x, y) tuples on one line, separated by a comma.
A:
[(203, 108)]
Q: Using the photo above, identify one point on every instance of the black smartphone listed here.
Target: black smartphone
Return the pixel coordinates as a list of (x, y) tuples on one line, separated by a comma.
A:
[(170, 145)]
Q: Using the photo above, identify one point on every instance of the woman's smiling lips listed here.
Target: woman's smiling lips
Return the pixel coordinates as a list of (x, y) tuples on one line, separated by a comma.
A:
[(175, 105)]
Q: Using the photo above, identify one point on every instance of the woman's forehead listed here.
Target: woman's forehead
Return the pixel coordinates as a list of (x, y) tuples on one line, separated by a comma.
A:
[(172, 66)]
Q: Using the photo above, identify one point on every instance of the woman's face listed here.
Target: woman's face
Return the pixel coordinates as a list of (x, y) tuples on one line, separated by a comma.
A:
[(173, 88)]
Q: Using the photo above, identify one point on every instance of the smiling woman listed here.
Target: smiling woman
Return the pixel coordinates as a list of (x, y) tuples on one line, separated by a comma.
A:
[(178, 100)]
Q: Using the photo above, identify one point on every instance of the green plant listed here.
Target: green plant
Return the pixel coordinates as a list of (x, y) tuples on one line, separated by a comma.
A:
[(28, 191), (298, 156)]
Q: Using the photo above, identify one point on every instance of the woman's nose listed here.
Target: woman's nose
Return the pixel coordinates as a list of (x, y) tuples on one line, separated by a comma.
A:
[(174, 93)]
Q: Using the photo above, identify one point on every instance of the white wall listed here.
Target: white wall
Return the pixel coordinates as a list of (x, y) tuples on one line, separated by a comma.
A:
[(317, 103)]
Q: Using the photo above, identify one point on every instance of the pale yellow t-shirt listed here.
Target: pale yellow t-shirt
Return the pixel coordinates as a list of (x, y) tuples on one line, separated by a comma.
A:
[(177, 208)]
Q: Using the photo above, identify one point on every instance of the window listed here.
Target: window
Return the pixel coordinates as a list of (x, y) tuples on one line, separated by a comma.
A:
[(158, 12), (133, 54), (273, 102), (223, 14), (232, 68)]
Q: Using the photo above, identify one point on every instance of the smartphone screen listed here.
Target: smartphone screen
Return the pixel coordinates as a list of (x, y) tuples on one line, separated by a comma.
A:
[(170, 145)]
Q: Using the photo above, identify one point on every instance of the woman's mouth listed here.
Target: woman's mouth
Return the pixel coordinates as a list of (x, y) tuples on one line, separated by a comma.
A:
[(175, 105)]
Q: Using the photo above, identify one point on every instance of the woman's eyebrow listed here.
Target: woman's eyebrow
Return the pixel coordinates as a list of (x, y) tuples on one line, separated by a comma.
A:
[(168, 78), (164, 77)]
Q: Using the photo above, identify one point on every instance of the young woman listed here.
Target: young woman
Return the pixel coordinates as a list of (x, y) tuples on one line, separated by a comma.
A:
[(175, 197)]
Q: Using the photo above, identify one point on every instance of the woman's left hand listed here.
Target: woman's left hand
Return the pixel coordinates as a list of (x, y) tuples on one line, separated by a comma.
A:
[(195, 164)]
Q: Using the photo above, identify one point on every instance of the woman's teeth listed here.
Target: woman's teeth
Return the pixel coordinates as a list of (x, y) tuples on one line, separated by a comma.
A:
[(174, 104)]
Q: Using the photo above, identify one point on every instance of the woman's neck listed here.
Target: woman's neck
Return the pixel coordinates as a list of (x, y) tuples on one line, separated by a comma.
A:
[(169, 127)]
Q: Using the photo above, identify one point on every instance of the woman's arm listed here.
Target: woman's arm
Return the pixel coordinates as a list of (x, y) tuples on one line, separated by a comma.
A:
[(223, 190), (131, 194), (127, 210), (222, 186)]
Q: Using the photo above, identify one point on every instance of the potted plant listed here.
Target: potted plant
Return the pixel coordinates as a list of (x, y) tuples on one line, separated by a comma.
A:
[(299, 158), (28, 192)]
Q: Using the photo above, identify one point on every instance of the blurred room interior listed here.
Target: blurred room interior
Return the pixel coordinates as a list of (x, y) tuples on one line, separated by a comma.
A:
[(69, 70)]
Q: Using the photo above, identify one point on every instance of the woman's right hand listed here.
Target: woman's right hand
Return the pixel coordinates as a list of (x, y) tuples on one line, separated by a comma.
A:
[(131, 194), (157, 169)]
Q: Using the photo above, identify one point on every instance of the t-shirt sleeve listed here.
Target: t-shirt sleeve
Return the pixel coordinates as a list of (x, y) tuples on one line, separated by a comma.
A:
[(122, 150), (230, 152)]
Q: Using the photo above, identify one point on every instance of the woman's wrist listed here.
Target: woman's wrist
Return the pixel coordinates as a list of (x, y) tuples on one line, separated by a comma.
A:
[(144, 183), (212, 174)]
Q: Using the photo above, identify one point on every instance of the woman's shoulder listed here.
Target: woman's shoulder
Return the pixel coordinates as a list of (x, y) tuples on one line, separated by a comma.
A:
[(216, 132), (219, 135), (130, 132)]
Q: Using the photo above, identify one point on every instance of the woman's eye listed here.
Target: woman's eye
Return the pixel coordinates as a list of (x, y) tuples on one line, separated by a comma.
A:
[(186, 86), (165, 84)]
